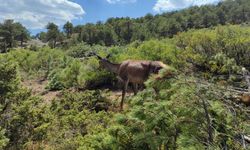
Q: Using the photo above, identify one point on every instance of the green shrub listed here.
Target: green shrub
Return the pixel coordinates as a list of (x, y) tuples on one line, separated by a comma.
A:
[(202, 45), (81, 49), (158, 50), (54, 81), (78, 116), (9, 77), (221, 64), (29, 121), (39, 63), (3, 140), (81, 75), (33, 48), (175, 118), (20, 113)]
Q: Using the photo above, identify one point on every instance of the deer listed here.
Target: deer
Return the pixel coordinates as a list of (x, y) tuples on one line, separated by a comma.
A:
[(130, 71), (245, 98)]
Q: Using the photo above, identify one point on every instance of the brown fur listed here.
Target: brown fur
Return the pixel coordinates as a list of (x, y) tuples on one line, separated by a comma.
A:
[(245, 98), (132, 71)]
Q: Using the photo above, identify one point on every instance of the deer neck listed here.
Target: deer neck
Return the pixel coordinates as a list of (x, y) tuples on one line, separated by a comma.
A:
[(112, 67)]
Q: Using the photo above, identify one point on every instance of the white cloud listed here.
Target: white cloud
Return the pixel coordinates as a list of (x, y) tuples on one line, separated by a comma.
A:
[(170, 5), (35, 14), (121, 1)]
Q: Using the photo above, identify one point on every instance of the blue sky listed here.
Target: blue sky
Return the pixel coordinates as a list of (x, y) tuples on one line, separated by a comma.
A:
[(35, 14), (100, 10)]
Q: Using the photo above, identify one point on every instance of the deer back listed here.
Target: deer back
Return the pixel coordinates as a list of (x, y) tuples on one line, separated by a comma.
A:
[(135, 71)]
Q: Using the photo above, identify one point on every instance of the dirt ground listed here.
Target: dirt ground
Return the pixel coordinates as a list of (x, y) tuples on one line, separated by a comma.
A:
[(38, 88)]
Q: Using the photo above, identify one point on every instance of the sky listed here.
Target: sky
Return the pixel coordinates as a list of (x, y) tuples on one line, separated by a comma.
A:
[(35, 14)]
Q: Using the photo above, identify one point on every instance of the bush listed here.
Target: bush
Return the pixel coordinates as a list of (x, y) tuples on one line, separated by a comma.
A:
[(29, 121), (221, 64), (3, 140), (54, 81), (81, 75), (175, 118), (78, 116), (9, 77), (20, 113), (158, 50), (202, 45), (39, 63), (33, 48), (81, 49)]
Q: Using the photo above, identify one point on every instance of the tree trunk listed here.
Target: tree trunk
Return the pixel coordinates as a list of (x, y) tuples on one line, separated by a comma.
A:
[(54, 44), (21, 42), (5, 47)]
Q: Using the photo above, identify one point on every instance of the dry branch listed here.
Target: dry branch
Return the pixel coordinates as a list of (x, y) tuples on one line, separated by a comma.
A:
[(246, 138)]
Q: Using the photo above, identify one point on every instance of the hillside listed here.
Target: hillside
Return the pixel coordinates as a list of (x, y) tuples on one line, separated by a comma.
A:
[(199, 107)]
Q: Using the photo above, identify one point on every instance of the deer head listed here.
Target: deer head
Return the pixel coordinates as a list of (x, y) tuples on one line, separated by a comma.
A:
[(99, 57), (105, 63), (154, 67)]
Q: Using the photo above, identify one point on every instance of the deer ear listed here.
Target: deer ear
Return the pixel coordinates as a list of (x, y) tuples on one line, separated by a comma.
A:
[(145, 65), (100, 58), (90, 54), (154, 67)]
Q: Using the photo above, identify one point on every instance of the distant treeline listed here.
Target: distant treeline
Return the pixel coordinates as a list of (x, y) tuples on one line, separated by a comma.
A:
[(116, 31), (121, 31)]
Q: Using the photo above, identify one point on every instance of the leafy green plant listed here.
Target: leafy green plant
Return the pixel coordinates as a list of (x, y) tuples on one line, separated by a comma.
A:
[(221, 64), (184, 114), (54, 81), (9, 77), (79, 116), (3, 140)]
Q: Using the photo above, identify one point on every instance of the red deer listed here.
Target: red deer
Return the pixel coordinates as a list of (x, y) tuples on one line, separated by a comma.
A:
[(131, 71), (245, 99)]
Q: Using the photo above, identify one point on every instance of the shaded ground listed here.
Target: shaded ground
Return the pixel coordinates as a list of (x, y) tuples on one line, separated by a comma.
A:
[(116, 96), (38, 88)]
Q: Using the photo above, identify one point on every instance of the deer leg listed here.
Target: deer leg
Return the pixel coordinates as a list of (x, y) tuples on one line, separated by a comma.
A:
[(124, 93), (135, 88)]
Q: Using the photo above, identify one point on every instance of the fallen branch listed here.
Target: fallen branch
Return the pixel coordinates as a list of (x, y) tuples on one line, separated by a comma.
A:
[(246, 138)]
